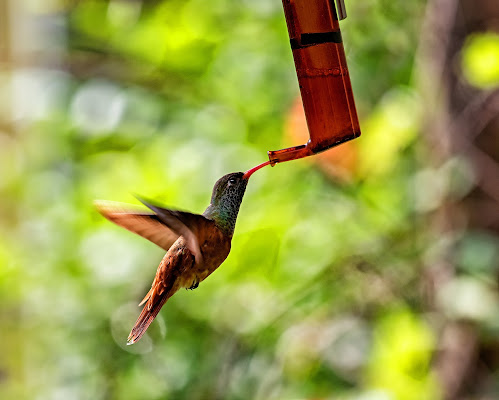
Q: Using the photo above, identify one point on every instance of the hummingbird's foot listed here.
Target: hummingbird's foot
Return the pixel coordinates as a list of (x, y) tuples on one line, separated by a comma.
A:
[(195, 284)]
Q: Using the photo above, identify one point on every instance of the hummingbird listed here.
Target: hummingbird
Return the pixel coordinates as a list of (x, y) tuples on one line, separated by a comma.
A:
[(196, 245)]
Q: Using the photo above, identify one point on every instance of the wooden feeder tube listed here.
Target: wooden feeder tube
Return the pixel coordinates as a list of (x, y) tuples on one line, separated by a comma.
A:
[(323, 77)]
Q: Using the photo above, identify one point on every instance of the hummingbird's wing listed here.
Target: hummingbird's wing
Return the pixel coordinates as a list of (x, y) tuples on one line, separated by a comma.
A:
[(143, 223), (183, 223)]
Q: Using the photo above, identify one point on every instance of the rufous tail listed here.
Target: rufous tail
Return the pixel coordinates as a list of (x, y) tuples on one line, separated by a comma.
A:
[(149, 312)]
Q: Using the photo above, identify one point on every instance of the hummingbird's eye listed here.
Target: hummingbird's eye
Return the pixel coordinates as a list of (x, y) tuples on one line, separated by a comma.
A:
[(232, 181)]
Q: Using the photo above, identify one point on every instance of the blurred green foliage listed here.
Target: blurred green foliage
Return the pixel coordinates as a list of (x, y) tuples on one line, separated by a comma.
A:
[(320, 296)]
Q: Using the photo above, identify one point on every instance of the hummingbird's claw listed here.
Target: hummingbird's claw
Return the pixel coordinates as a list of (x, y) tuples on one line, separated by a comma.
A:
[(195, 284)]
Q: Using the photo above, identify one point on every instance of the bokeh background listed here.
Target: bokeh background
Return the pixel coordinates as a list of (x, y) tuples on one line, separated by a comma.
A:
[(370, 272)]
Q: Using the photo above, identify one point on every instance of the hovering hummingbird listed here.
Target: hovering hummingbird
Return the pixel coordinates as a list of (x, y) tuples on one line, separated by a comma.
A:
[(195, 244)]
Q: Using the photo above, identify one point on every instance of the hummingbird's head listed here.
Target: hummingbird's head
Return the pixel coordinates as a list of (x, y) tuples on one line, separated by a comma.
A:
[(226, 198), (229, 189)]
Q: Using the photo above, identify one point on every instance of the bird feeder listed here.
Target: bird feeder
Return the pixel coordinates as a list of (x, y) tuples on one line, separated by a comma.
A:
[(323, 77)]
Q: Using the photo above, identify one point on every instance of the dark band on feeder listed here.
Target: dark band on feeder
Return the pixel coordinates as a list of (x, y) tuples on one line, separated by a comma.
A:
[(311, 39)]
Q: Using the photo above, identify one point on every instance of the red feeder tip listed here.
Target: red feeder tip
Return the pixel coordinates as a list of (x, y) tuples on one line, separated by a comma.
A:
[(249, 172)]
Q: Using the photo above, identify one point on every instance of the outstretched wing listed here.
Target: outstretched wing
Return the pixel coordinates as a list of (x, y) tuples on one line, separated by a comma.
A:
[(191, 226), (143, 223)]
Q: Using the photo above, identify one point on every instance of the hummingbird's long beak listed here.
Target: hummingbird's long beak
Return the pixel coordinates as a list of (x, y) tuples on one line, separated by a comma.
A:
[(249, 172)]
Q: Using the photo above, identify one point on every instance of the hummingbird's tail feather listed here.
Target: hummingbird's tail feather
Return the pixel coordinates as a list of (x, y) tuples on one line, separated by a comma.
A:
[(154, 301), (146, 297), (169, 278), (145, 319)]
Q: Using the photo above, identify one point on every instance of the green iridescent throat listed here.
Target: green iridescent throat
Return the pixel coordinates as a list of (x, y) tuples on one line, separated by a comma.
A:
[(225, 203), (224, 215)]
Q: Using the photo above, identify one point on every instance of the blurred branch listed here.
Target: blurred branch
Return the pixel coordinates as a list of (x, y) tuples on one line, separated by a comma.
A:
[(456, 121), (4, 32), (480, 111), (470, 123), (458, 349), (488, 171)]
